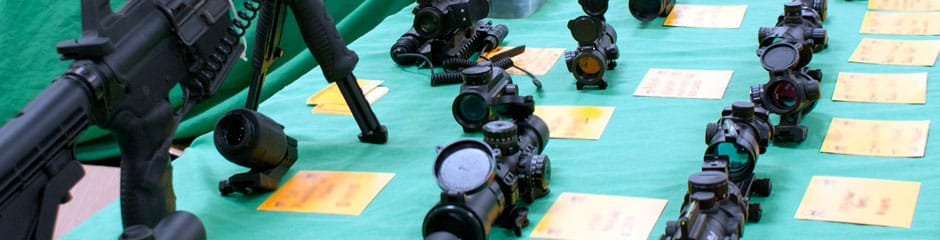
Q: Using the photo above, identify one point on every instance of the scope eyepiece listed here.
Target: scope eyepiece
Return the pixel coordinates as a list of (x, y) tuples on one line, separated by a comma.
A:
[(647, 10), (455, 221), (252, 140), (430, 22), (406, 44)]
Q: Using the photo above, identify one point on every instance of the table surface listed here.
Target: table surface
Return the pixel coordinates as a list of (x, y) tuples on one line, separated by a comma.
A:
[(649, 148)]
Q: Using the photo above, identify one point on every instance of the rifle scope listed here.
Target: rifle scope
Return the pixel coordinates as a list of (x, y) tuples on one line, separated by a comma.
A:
[(483, 181), (740, 135), (785, 50), (597, 48), (446, 29), (482, 88), (252, 140)]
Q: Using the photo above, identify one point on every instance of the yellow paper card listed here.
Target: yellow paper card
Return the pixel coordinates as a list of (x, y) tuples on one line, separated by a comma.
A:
[(535, 60), (706, 16), (346, 193), (341, 108), (330, 100), (859, 200), (881, 88), (331, 93), (578, 122), (589, 216), (915, 5), (896, 52), (681, 83), (876, 138), (901, 23)]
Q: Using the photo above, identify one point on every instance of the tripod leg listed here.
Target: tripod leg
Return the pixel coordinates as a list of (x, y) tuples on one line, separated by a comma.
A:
[(266, 50), (337, 63)]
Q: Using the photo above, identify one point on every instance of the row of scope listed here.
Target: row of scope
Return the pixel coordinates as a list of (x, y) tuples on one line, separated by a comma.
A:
[(717, 203)]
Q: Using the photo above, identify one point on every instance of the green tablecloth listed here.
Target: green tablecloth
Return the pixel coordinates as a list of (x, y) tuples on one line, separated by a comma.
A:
[(648, 150)]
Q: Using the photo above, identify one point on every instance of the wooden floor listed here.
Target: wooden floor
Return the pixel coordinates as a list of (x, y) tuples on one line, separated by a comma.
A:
[(97, 189)]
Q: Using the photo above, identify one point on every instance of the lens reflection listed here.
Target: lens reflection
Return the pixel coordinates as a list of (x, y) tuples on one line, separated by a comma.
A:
[(428, 22), (737, 158), (233, 129), (473, 108), (784, 94), (589, 65)]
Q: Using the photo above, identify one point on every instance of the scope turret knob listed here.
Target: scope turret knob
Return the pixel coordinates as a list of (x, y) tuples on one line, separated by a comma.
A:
[(476, 75), (511, 89), (820, 38), (762, 186), (812, 90), (757, 93), (709, 181), (502, 135), (793, 9), (539, 171), (743, 111), (706, 200), (754, 212)]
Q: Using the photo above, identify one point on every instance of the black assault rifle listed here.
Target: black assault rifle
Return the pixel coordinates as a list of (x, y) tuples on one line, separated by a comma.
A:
[(124, 67)]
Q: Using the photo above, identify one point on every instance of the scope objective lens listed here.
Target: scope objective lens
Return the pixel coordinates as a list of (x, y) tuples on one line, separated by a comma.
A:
[(472, 108), (784, 95), (738, 158)]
